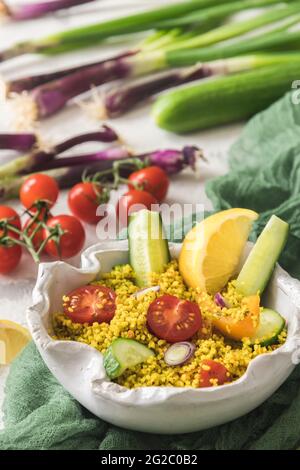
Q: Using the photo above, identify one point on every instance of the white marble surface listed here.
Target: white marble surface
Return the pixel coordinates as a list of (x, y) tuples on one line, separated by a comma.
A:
[(136, 128)]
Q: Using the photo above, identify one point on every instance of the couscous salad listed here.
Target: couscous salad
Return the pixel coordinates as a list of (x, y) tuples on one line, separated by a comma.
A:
[(192, 322)]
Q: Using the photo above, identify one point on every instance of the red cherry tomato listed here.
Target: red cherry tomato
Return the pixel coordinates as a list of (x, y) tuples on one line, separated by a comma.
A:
[(133, 201), (89, 304), (84, 199), (39, 187), (9, 214), (173, 319), (153, 179), (10, 257), (210, 371), (71, 242)]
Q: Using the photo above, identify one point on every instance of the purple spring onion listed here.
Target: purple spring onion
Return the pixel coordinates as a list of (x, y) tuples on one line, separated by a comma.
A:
[(105, 134), (18, 142), (144, 291), (23, 142), (34, 10), (120, 100), (172, 161), (65, 178), (25, 164), (104, 159), (51, 97), (221, 301), (41, 159), (31, 82), (179, 353)]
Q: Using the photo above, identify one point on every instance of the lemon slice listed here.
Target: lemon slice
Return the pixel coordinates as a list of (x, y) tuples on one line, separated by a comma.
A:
[(212, 250), (13, 338)]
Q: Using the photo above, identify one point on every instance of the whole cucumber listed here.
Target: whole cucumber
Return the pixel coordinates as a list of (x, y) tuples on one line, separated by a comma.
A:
[(223, 100)]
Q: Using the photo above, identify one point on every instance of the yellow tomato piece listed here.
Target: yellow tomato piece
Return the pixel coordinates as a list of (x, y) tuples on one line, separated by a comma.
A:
[(245, 328)]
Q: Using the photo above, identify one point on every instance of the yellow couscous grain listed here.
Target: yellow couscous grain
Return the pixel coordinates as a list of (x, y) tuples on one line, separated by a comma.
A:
[(130, 322)]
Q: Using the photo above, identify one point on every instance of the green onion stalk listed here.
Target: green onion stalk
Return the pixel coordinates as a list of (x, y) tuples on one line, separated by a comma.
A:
[(118, 101), (272, 41), (225, 10), (47, 99), (89, 35)]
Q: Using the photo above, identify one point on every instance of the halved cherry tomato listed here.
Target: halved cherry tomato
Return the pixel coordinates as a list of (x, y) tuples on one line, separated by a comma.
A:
[(244, 328), (89, 304), (133, 201), (9, 214), (211, 371), (173, 319), (39, 187), (152, 179), (84, 199), (71, 242), (10, 257)]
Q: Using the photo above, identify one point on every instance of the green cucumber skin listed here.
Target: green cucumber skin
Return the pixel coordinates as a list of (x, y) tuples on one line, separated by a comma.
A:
[(111, 364), (273, 338), (162, 246), (115, 365), (224, 100), (250, 281)]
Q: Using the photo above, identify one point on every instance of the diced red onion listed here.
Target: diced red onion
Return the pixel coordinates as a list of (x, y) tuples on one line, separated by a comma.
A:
[(220, 301), (145, 291), (179, 353)]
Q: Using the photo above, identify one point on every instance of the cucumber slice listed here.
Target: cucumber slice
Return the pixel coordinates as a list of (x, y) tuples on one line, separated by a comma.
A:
[(148, 246), (123, 354), (271, 325), (259, 266)]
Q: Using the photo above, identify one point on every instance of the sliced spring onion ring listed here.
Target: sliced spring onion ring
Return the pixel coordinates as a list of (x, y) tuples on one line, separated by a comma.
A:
[(179, 353)]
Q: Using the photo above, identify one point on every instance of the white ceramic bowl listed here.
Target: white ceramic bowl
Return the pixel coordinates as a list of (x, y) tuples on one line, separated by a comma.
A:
[(170, 410)]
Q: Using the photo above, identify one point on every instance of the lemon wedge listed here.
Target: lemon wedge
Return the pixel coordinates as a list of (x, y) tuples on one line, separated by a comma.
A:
[(212, 250), (13, 338)]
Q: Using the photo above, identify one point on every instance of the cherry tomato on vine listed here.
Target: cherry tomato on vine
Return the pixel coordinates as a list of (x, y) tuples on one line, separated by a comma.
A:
[(30, 226), (153, 179), (89, 304), (70, 242), (212, 373), (173, 319), (10, 257), (84, 199), (9, 214), (39, 187), (133, 201)]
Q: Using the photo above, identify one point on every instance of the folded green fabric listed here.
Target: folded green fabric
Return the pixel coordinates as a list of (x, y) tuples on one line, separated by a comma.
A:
[(265, 176)]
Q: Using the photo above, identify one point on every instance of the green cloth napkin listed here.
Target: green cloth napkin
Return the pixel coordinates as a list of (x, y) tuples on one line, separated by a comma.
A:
[(264, 176)]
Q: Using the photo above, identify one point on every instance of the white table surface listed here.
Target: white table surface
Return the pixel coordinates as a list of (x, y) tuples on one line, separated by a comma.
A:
[(136, 128)]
